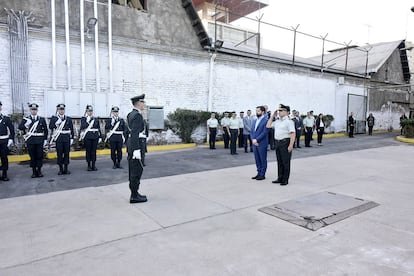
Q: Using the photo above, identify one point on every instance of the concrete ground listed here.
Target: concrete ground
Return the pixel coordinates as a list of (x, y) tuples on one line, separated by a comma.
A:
[(207, 222)]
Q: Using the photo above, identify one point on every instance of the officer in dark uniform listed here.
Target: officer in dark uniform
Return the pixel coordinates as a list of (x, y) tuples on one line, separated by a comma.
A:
[(115, 127), (351, 123), (62, 128), (6, 140), (36, 131), (91, 136), (136, 125)]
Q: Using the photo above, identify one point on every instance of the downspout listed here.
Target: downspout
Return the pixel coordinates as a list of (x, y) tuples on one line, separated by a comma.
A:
[(53, 10), (82, 38), (68, 74), (111, 84), (97, 72), (210, 82)]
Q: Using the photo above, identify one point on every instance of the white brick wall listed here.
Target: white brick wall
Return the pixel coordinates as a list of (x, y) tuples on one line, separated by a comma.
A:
[(173, 80)]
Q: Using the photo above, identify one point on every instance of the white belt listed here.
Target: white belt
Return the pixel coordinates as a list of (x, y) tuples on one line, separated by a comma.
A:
[(142, 136), (37, 134), (4, 136), (64, 132), (118, 132), (93, 129)]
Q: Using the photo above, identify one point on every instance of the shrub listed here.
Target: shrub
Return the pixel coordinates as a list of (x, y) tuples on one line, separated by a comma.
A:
[(408, 128), (185, 121)]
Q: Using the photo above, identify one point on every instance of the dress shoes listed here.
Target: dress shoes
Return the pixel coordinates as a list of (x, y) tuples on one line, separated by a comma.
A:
[(284, 183), (260, 177), (277, 181), (254, 177), (138, 199)]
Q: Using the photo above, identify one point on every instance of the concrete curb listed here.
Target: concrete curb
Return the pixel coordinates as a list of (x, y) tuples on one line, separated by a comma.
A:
[(404, 139)]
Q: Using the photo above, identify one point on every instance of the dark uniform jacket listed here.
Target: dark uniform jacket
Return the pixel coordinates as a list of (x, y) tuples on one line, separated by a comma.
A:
[(121, 127), (351, 121), (318, 122), (63, 137), (370, 121), (41, 128), (135, 125), (6, 128), (95, 133)]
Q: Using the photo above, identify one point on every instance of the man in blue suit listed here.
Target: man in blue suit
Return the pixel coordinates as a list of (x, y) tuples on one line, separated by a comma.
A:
[(259, 136)]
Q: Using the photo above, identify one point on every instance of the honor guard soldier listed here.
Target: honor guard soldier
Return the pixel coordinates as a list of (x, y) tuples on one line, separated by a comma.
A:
[(91, 136), (62, 128), (136, 125), (115, 127), (6, 141), (36, 131)]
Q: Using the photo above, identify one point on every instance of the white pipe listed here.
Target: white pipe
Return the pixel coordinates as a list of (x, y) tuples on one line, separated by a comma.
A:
[(53, 44), (111, 84), (82, 37), (67, 44), (210, 82), (97, 72)]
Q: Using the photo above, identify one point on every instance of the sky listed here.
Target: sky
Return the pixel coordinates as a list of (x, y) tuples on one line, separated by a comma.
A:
[(351, 21)]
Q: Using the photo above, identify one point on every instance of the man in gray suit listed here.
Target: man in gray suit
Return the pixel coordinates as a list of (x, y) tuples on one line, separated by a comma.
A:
[(247, 124)]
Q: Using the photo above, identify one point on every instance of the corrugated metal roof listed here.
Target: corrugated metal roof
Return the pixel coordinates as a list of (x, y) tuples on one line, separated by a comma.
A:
[(378, 54)]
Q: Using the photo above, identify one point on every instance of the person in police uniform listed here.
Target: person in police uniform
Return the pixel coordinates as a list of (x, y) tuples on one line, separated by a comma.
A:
[(284, 136), (91, 136), (62, 129), (233, 131), (6, 140), (136, 125), (36, 131), (115, 127)]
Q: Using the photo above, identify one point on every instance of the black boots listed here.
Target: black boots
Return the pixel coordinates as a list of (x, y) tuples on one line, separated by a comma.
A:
[(65, 170), (4, 176), (34, 174), (118, 164), (92, 167), (60, 169), (39, 172), (115, 165), (137, 198)]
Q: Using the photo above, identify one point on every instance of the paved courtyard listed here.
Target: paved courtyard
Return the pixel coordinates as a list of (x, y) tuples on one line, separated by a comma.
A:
[(207, 222)]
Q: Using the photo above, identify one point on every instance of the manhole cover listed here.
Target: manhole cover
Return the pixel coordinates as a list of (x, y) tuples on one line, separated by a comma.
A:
[(318, 210)]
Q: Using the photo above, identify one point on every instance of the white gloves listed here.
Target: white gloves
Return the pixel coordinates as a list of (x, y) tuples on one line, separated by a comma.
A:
[(71, 142), (113, 121), (28, 122), (44, 143), (136, 154), (58, 122), (99, 140), (10, 143)]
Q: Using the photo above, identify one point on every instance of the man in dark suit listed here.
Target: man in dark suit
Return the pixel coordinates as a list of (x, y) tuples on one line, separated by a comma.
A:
[(91, 136), (259, 136), (115, 127), (6, 140), (136, 125), (62, 128), (35, 129)]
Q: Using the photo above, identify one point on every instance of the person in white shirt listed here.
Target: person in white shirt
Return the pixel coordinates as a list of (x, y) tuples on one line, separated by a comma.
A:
[(233, 132), (225, 128), (284, 136), (212, 124), (308, 124), (320, 128)]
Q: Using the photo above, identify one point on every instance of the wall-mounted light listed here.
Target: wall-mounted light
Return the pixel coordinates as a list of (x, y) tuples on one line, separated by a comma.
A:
[(218, 44), (90, 24)]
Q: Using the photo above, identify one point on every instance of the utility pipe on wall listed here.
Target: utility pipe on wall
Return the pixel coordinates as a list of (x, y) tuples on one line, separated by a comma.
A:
[(97, 72), (210, 82), (111, 84), (82, 37), (53, 11), (68, 74)]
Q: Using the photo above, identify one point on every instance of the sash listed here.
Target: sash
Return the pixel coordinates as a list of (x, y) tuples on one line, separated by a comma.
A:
[(113, 131), (83, 133), (31, 131), (58, 131)]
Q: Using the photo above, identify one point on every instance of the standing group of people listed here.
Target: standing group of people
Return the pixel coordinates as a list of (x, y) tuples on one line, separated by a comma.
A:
[(36, 132)]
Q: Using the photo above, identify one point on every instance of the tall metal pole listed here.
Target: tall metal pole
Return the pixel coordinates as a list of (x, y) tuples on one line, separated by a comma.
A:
[(82, 37), (294, 43), (53, 11), (97, 71), (111, 84), (323, 49), (68, 69)]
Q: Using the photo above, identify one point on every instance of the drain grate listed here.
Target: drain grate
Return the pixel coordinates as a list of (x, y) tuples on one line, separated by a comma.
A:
[(318, 210)]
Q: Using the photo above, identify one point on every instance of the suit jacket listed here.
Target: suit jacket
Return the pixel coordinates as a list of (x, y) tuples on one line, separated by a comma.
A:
[(41, 128), (136, 125), (6, 123), (64, 138), (318, 121), (260, 133), (91, 135)]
